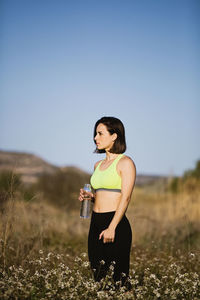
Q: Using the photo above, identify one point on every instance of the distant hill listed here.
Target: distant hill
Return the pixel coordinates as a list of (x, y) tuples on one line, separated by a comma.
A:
[(31, 167)]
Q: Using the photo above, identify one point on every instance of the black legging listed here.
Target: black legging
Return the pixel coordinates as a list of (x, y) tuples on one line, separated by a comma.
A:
[(118, 251)]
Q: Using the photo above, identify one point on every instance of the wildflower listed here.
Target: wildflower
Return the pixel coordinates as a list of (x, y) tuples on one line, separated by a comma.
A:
[(37, 273), (48, 286), (153, 276), (83, 254), (102, 262), (167, 291), (62, 266), (77, 259), (111, 268), (86, 264)]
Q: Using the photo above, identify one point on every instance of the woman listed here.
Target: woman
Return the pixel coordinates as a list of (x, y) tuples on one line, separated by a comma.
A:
[(110, 235)]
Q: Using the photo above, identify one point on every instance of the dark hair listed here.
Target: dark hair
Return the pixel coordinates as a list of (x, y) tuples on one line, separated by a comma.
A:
[(113, 125)]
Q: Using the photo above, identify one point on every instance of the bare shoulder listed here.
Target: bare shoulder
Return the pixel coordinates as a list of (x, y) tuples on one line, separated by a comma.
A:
[(96, 164), (127, 162)]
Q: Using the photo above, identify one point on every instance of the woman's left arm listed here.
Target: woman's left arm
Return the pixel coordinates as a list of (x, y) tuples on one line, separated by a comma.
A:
[(128, 175)]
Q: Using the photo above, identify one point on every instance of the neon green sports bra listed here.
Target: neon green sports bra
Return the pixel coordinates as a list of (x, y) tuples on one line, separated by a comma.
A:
[(107, 179)]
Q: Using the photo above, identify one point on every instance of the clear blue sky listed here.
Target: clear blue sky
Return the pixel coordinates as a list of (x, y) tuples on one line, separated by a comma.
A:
[(65, 64)]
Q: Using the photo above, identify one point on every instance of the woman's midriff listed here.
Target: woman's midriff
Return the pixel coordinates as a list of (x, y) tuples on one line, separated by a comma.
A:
[(106, 201)]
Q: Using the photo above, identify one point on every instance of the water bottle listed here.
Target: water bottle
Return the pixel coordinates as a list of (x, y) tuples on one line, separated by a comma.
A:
[(85, 204)]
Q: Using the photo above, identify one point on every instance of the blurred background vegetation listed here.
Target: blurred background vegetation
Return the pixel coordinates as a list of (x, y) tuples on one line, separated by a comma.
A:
[(189, 182), (164, 215)]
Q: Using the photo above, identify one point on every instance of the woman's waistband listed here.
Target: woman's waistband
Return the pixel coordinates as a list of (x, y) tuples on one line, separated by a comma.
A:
[(103, 213)]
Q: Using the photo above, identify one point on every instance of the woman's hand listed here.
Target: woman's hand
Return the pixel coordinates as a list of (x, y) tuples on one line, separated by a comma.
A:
[(108, 235), (85, 195)]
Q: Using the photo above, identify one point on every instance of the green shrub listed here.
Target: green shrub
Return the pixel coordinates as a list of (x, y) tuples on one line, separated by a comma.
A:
[(9, 184), (62, 188), (193, 173)]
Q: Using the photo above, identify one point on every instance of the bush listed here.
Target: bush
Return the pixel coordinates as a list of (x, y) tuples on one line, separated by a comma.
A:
[(62, 188), (174, 185), (190, 181), (193, 173), (9, 184)]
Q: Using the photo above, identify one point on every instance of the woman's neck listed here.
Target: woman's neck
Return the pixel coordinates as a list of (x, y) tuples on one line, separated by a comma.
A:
[(110, 156)]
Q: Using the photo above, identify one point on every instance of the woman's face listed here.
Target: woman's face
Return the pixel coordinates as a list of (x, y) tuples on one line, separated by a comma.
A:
[(103, 138)]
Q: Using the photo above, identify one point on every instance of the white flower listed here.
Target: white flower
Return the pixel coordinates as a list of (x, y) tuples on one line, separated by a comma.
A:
[(111, 268), (83, 254), (37, 273), (86, 264)]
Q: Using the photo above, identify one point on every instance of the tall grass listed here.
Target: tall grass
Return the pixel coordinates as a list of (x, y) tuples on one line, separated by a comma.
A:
[(42, 249), (166, 219)]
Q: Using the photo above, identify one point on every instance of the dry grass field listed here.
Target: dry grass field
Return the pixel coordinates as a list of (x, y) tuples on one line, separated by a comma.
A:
[(166, 218), (155, 217), (43, 248)]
